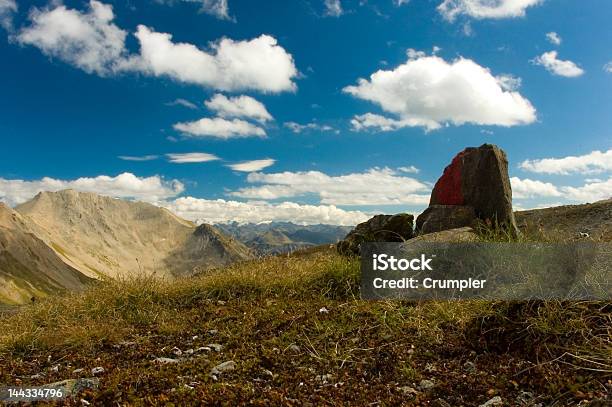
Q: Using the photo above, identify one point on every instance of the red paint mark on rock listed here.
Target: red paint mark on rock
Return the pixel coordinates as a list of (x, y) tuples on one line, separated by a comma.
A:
[(448, 188)]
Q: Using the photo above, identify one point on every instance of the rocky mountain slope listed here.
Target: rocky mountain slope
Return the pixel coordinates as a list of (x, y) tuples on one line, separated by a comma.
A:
[(28, 267), (106, 237), (283, 237)]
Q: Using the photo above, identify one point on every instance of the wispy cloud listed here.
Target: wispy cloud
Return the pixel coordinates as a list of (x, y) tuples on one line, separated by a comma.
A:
[(556, 66), (183, 158), (138, 158), (481, 9), (333, 8), (591, 163), (252, 166), (553, 38), (238, 106), (182, 102), (220, 128)]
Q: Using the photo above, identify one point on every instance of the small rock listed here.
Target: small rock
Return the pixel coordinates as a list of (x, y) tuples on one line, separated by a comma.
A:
[(55, 368), (193, 338), (203, 349), (324, 378), (221, 302), (223, 368), (73, 386), (165, 361), (495, 401), (213, 332), (323, 311), (426, 384), (79, 370), (408, 391), (189, 352), (215, 346), (37, 376), (294, 348), (97, 370), (176, 351), (85, 402)]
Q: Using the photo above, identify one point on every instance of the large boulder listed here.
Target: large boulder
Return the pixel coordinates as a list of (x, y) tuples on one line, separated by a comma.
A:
[(380, 228), (477, 177), (444, 217)]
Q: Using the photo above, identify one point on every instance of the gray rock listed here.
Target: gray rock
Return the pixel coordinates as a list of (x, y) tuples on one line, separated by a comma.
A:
[(294, 348), (408, 391), (223, 368), (426, 384), (71, 387), (469, 367), (437, 218), (165, 361), (495, 401), (215, 346), (380, 228), (97, 370), (79, 370)]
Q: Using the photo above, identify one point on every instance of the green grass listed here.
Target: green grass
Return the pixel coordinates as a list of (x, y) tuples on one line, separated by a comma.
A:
[(261, 310)]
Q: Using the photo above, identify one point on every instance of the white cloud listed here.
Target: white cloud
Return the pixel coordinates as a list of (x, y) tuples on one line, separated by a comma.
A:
[(427, 91), (238, 106), (608, 67), (138, 158), (557, 66), (252, 166), (182, 102), (527, 188), (89, 40), (553, 38), (92, 42), (216, 8), (377, 186), (299, 128), (222, 211), (592, 163), (590, 192), (409, 170), (126, 185), (258, 64), (400, 2), (481, 9), (333, 8), (382, 123), (220, 128), (182, 158), (7, 9)]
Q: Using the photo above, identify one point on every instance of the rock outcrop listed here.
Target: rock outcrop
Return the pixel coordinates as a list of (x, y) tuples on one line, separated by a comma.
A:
[(444, 217), (476, 178), (380, 228)]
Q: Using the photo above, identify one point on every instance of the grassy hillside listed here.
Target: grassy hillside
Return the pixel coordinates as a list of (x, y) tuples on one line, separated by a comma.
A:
[(298, 333)]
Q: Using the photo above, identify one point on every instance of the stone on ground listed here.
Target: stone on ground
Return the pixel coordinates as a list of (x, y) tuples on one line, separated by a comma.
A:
[(380, 228)]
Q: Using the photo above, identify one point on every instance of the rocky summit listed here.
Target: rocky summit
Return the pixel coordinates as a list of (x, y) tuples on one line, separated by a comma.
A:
[(475, 181)]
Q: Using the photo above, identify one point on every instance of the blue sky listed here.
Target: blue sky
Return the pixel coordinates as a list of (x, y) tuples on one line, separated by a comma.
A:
[(95, 96)]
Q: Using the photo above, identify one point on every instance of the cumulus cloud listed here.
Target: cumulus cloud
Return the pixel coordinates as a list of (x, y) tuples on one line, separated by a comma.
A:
[(183, 158), (557, 66), (126, 185), (299, 128), (608, 67), (527, 188), (553, 38), (238, 106), (252, 166), (333, 8), (7, 9), (428, 91), (258, 64), (88, 40), (592, 163), (220, 128), (590, 192), (377, 186), (482, 9), (91, 41), (182, 102), (222, 211), (138, 158)]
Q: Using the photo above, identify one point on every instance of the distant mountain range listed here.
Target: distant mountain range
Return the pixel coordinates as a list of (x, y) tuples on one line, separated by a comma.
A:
[(62, 240), (283, 237)]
